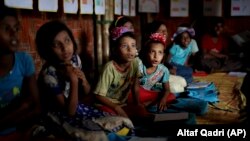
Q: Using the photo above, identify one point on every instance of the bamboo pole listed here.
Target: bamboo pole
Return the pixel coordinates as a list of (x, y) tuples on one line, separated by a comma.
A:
[(149, 17), (99, 42), (107, 19)]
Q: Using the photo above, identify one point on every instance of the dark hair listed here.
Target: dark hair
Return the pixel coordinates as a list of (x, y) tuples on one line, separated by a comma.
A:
[(5, 11), (177, 39), (151, 28), (145, 49), (154, 26), (115, 43), (45, 37), (214, 21), (119, 21)]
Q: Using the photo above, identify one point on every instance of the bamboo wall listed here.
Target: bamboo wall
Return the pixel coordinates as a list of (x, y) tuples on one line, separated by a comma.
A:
[(91, 31)]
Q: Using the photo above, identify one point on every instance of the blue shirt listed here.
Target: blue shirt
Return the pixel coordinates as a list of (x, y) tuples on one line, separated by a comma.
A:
[(179, 55), (155, 80), (11, 83)]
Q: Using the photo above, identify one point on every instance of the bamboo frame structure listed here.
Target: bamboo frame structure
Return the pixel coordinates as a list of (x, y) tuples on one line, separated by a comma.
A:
[(98, 42), (107, 19)]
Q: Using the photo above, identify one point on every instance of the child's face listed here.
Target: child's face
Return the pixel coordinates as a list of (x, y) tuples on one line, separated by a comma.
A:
[(155, 54), (219, 28), (127, 49), (130, 26), (163, 30), (9, 27), (185, 39), (63, 47)]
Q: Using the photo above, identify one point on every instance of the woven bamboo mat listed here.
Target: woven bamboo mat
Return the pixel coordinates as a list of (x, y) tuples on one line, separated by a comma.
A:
[(226, 111)]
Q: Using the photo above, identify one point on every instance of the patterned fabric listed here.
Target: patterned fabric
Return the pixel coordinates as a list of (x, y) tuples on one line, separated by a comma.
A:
[(158, 37), (83, 113), (56, 124), (54, 82), (82, 122), (115, 123), (10, 84), (89, 112), (180, 30), (95, 130), (80, 127), (155, 80), (116, 85), (118, 31), (58, 86)]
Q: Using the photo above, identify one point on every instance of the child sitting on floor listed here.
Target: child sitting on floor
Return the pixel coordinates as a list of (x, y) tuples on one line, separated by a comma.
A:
[(154, 90), (155, 76), (19, 101), (63, 85), (180, 52), (120, 76), (177, 83)]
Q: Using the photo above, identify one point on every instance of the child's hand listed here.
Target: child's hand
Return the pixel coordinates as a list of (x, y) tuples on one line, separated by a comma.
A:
[(75, 75), (120, 111), (79, 73), (72, 72), (69, 71), (162, 105)]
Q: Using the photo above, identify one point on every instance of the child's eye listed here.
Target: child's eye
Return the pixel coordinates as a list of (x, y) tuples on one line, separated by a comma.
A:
[(160, 52), (17, 28), (151, 51), (6, 28), (124, 46), (10, 29), (67, 40), (134, 46), (57, 44)]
